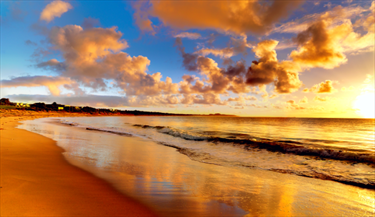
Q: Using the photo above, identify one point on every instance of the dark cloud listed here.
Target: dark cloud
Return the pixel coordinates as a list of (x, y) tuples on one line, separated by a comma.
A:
[(16, 12), (90, 23), (189, 61), (53, 65), (28, 42), (39, 29), (268, 69)]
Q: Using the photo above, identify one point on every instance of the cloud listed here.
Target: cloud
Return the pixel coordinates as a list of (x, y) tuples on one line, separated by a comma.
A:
[(90, 23), (293, 105), (223, 53), (39, 54), (238, 17), (206, 99), (189, 60), (236, 46), (241, 100), (39, 29), (94, 55), (340, 14), (52, 83), (28, 42), (141, 17), (257, 106), (304, 100), (54, 9), (323, 87), (321, 99), (319, 46), (276, 106), (351, 88), (189, 35), (15, 11), (330, 35), (237, 78), (52, 64), (268, 69)]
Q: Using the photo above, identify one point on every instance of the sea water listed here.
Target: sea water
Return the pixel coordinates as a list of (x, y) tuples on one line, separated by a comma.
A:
[(342, 150), (226, 166)]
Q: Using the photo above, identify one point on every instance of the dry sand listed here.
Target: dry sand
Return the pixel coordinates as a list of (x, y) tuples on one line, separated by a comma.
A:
[(36, 180)]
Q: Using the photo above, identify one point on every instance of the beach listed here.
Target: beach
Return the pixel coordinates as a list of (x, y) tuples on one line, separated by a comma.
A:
[(137, 176), (36, 180)]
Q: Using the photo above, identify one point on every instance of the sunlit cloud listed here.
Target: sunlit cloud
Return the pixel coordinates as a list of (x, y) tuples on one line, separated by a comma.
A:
[(293, 105), (54, 9), (237, 17), (323, 87)]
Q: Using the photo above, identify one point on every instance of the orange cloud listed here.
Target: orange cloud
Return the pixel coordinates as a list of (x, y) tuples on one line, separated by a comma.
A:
[(237, 17), (340, 14), (323, 87), (94, 54), (330, 35), (293, 105), (319, 46), (54, 9)]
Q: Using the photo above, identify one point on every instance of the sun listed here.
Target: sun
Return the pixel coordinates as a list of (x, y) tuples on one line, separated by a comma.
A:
[(365, 104)]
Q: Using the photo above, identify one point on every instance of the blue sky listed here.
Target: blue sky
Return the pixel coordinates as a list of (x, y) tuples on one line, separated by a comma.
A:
[(322, 51)]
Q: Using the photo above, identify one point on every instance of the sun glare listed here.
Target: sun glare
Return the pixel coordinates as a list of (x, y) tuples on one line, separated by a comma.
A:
[(365, 104)]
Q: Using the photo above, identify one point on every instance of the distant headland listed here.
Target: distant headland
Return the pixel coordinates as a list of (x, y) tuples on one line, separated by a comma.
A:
[(5, 103)]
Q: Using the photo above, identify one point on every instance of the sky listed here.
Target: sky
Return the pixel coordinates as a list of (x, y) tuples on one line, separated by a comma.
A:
[(299, 58)]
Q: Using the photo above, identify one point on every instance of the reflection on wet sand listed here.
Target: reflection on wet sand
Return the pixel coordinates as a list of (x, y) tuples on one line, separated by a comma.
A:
[(175, 185)]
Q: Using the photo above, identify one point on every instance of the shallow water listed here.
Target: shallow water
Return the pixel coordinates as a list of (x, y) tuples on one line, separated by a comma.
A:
[(175, 185)]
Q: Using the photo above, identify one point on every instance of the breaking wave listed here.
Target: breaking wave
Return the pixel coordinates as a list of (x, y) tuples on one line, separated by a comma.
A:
[(283, 146)]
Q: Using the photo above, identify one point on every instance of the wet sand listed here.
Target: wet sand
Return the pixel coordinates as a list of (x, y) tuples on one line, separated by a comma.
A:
[(36, 180), (174, 185)]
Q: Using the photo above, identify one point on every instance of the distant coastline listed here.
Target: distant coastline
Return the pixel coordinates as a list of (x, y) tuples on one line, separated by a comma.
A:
[(43, 107)]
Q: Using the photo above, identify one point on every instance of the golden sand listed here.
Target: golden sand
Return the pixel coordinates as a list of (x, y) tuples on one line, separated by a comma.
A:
[(36, 180)]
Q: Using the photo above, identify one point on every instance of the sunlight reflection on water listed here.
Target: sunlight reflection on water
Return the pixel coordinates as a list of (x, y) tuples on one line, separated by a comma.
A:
[(174, 185)]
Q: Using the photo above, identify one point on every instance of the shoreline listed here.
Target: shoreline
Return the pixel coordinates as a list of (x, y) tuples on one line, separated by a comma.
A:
[(36, 179), (152, 174)]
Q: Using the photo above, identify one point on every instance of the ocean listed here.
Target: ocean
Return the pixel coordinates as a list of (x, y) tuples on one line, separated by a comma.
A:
[(233, 165), (342, 150)]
